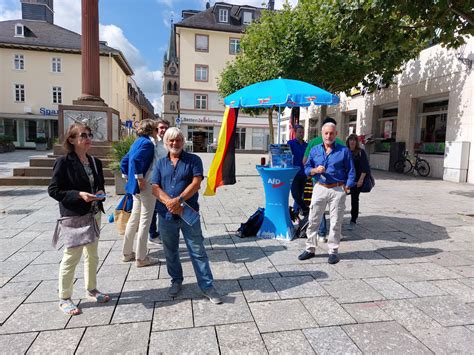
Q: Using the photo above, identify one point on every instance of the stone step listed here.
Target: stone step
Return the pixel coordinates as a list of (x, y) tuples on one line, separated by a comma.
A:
[(46, 171), (100, 150), (35, 181), (49, 161)]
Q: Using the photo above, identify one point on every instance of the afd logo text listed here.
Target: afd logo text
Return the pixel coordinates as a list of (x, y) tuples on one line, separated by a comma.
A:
[(275, 182)]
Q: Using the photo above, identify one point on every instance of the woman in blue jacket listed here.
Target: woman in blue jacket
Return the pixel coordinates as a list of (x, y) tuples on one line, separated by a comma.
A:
[(136, 167)]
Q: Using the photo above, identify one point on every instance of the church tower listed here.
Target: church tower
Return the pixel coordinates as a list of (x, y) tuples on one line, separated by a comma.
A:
[(171, 81)]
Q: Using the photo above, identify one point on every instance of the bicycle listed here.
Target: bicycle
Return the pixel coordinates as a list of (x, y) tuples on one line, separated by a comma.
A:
[(409, 163)]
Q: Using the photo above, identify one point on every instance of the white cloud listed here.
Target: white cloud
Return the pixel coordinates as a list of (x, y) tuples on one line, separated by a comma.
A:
[(6, 14), (67, 14), (168, 3), (147, 79)]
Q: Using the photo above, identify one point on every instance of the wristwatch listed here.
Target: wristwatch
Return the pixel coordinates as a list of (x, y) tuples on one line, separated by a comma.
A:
[(181, 199)]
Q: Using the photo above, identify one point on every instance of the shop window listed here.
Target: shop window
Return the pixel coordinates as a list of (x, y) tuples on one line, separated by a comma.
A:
[(240, 138), (223, 15), (200, 102), (386, 129), (30, 130), (57, 95), (56, 65), (431, 128), (350, 122), (260, 138), (10, 127), (19, 62), (201, 72), (234, 45), (202, 43), (19, 93), (313, 130)]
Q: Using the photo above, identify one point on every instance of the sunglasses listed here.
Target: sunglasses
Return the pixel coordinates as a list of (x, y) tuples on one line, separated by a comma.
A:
[(86, 135)]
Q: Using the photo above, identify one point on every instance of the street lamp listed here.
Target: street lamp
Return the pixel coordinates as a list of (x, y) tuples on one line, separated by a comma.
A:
[(134, 115)]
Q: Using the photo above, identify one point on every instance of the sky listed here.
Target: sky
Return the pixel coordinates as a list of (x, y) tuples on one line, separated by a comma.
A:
[(139, 28)]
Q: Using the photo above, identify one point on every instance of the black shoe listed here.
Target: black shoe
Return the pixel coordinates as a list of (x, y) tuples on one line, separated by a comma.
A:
[(174, 289), (333, 259), (305, 255)]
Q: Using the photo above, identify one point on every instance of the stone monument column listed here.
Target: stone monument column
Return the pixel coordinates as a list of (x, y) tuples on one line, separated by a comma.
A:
[(90, 51), (90, 108)]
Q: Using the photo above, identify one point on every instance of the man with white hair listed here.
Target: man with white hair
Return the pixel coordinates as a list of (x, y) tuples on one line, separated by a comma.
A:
[(176, 181), (331, 165)]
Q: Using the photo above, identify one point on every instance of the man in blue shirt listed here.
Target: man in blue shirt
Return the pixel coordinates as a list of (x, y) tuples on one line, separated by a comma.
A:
[(176, 181), (298, 147), (331, 165)]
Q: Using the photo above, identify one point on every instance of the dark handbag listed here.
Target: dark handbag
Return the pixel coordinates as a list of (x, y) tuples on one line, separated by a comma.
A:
[(76, 230), (369, 183)]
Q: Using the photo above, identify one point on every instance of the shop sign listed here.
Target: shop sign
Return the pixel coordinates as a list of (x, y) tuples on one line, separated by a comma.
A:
[(203, 119), (48, 112)]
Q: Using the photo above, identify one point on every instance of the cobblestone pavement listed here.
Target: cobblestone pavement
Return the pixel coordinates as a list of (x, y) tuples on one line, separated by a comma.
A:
[(405, 283)]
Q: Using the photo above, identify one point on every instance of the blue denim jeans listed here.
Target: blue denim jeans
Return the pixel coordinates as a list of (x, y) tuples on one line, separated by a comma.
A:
[(323, 229), (153, 230), (297, 192), (169, 232)]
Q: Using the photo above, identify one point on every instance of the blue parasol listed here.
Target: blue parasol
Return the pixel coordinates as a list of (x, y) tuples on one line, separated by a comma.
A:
[(281, 93)]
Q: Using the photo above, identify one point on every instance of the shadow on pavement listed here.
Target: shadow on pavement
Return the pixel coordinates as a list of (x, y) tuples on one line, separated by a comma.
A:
[(22, 192)]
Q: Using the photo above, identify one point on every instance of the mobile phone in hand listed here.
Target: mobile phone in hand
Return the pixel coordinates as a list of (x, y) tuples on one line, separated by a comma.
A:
[(101, 195)]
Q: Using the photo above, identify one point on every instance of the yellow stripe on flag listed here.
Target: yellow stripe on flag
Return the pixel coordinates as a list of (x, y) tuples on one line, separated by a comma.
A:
[(218, 157)]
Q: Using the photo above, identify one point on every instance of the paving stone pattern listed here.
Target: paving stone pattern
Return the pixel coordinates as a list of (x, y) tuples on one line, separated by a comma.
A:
[(405, 283)]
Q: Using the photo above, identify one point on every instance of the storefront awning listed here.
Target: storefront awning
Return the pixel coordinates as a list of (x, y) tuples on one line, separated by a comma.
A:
[(26, 116)]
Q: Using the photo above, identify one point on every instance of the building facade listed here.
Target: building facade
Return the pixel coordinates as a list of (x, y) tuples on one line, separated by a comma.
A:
[(429, 108), (40, 68), (205, 42)]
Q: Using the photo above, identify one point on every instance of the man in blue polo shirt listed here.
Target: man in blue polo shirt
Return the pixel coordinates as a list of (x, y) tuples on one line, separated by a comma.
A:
[(331, 165), (298, 147), (176, 181)]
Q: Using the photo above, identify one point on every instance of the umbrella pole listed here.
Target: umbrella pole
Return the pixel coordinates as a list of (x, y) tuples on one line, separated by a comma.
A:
[(278, 140)]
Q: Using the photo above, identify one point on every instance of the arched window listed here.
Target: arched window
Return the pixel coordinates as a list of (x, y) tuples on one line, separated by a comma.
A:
[(172, 106), (175, 87), (169, 86)]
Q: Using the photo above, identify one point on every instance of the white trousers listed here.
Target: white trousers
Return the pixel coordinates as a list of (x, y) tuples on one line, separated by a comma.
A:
[(322, 196), (139, 223)]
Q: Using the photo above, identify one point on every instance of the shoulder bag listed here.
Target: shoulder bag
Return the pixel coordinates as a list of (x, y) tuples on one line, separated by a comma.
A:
[(76, 231), (369, 183)]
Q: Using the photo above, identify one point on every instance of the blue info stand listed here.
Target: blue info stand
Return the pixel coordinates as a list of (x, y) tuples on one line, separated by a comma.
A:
[(277, 184)]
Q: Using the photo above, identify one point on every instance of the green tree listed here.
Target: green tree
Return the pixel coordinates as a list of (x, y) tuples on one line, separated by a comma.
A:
[(337, 44)]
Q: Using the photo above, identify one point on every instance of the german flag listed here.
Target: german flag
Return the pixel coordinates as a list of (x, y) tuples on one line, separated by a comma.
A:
[(222, 170)]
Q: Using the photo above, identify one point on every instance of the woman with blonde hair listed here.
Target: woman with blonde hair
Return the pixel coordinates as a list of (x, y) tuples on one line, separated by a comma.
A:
[(136, 167), (78, 185)]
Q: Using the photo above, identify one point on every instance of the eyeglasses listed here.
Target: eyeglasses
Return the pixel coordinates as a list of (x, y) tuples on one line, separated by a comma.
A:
[(85, 135)]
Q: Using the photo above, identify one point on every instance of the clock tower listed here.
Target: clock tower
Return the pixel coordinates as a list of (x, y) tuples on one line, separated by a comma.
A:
[(171, 81)]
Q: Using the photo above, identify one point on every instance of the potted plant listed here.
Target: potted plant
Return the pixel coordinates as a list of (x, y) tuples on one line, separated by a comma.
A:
[(41, 143), (6, 143), (119, 150)]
